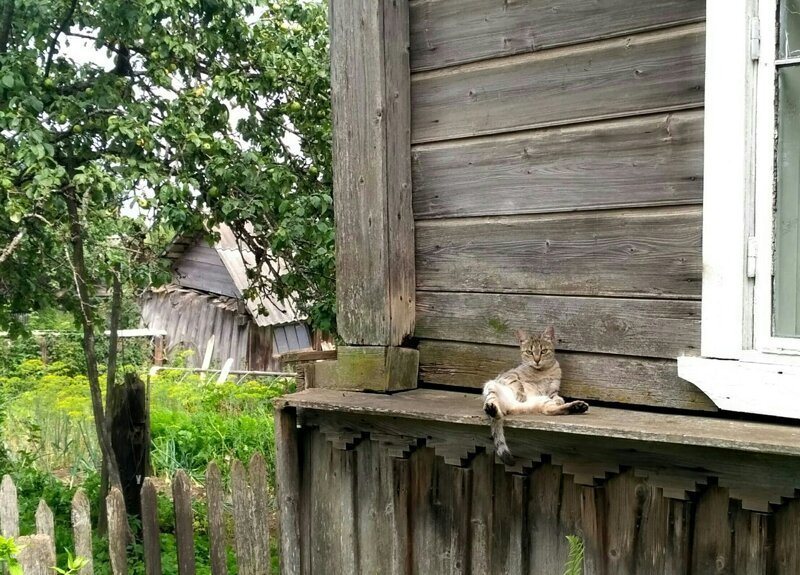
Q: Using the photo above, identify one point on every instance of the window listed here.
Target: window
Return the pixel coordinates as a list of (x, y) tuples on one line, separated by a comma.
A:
[(751, 204)]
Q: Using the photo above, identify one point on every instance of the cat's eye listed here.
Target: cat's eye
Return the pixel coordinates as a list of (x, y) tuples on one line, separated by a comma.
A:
[(545, 351)]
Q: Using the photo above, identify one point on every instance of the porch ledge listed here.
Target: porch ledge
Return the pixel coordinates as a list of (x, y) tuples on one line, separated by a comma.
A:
[(465, 408)]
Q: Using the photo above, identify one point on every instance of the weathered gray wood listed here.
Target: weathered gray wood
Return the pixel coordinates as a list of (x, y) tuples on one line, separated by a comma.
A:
[(656, 72), (287, 477), (184, 522), (655, 428), (639, 327), (216, 521), (332, 493), (481, 514), (592, 529), (547, 544), (607, 378), (117, 532), (45, 524), (786, 551), (632, 162), (447, 33), (712, 551), (370, 368), (257, 472), (652, 252), (243, 528), (151, 538), (9, 510), (37, 554), (372, 171), (439, 515), (82, 530), (751, 543), (622, 515)]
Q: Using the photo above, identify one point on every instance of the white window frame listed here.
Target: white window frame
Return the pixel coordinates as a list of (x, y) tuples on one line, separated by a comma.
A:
[(741, 367)]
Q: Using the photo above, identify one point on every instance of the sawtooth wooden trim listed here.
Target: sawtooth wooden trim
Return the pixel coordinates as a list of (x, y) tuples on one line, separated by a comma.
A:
[(444, 33), (372, 171), (656, 72), (631, 162), (607, 378), (652, 252), (638, 327)]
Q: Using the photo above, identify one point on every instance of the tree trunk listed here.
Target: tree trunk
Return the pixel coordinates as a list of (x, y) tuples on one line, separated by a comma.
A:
[(81, 276)]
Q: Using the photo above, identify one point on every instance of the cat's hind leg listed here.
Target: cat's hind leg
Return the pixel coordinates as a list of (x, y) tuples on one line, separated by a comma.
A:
[(498, 399), (556, 406)]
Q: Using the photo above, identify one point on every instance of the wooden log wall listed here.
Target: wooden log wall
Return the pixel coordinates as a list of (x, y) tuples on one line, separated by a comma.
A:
[(557, 163), (386, 495)]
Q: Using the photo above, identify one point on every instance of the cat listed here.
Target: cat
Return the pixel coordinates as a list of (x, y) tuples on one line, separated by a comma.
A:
[(531, 387)]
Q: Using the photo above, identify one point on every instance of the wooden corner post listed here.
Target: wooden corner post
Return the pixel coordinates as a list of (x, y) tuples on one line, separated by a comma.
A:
[(371, 98)]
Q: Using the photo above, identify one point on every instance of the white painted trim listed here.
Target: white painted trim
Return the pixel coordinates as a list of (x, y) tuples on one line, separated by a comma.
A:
[(745, 386), (727, 178)]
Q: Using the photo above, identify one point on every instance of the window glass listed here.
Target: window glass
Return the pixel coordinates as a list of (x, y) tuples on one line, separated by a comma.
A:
[(789, 30)]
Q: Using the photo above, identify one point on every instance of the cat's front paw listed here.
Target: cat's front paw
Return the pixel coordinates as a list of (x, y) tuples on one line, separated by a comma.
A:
[(491, 409), (578, 407)]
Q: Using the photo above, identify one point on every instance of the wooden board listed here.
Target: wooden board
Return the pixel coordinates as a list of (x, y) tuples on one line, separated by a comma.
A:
[(712, 550), (288, 484), (646, 73), (641, 327), (786, 551), (606, 378), (646, 161), (652, 252), (444, 33), (372, 171)]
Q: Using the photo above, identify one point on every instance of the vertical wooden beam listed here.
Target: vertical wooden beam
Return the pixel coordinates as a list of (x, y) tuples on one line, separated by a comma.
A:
[(45, 524), (9, 510), (151, 538), (287, 464), (371, 97), (184, 520), (37, 555), (82, 531), (216, 521), (117, 532)]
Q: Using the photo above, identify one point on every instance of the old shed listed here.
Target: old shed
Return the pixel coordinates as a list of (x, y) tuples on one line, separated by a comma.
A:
[(206, 298), (591, 165)]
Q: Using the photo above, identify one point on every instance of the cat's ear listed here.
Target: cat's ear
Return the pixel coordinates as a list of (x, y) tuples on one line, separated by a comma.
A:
[(550, 334), (521, 335)]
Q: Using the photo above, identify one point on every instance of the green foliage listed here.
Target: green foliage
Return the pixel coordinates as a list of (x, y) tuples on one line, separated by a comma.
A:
[(574, 564), (187, 114), (74, 565), (8, 554)]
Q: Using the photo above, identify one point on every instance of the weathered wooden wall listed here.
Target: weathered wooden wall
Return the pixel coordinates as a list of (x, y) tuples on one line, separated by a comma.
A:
[(388, 495), (190, 318), (557, 161), (200, 267)]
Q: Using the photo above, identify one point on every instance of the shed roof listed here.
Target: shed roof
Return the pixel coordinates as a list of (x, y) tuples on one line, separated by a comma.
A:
[(237, 259)]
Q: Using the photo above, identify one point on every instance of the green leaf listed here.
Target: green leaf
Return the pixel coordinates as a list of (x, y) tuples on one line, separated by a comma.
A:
[(8, 81)]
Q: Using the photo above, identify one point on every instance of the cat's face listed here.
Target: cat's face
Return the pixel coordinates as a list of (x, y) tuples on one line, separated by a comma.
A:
[(538, 351)]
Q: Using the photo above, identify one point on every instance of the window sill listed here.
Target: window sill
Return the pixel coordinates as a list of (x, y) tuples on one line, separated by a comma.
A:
[(746, 386)]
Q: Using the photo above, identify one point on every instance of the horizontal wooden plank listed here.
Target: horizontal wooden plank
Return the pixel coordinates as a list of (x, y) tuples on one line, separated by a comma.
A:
[(652, 252), (650, 72), (608, 378), (641, 327), (644, 161), (445, 32)]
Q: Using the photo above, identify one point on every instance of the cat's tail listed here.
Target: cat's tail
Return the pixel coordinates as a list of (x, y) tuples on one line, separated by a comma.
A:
[(500, 445)]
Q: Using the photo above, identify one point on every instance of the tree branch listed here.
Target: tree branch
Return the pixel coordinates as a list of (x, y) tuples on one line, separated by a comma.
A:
[(60, 30), (12, 246)]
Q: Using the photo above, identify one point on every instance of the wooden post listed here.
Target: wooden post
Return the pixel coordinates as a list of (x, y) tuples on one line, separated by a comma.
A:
[(45, 525), (184, 531), (150, 532), (117, 532), (82, 530), (216, 521), (9, 511), (242, 520), (371, 101), (257, 471), (37, 555), (288, 485)]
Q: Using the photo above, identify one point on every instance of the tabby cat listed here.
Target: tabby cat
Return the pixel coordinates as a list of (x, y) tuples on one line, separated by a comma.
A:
[(531, 387)]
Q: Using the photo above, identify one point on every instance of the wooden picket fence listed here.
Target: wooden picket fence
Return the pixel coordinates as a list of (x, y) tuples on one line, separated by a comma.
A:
[(249, 502)]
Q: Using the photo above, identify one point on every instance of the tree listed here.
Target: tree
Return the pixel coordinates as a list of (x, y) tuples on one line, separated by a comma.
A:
[(194, 112)]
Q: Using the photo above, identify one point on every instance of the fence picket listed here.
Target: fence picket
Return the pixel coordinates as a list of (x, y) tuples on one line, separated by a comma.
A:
[(37, 554), (9, 512), (117, 532), (150, 533), (82, 530), (216, 520), (260, 510), (184, 532), (242, 497), (45, 525)]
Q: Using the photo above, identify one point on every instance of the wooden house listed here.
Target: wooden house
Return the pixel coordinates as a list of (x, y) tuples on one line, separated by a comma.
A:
[(627, 172), (206, 298)]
